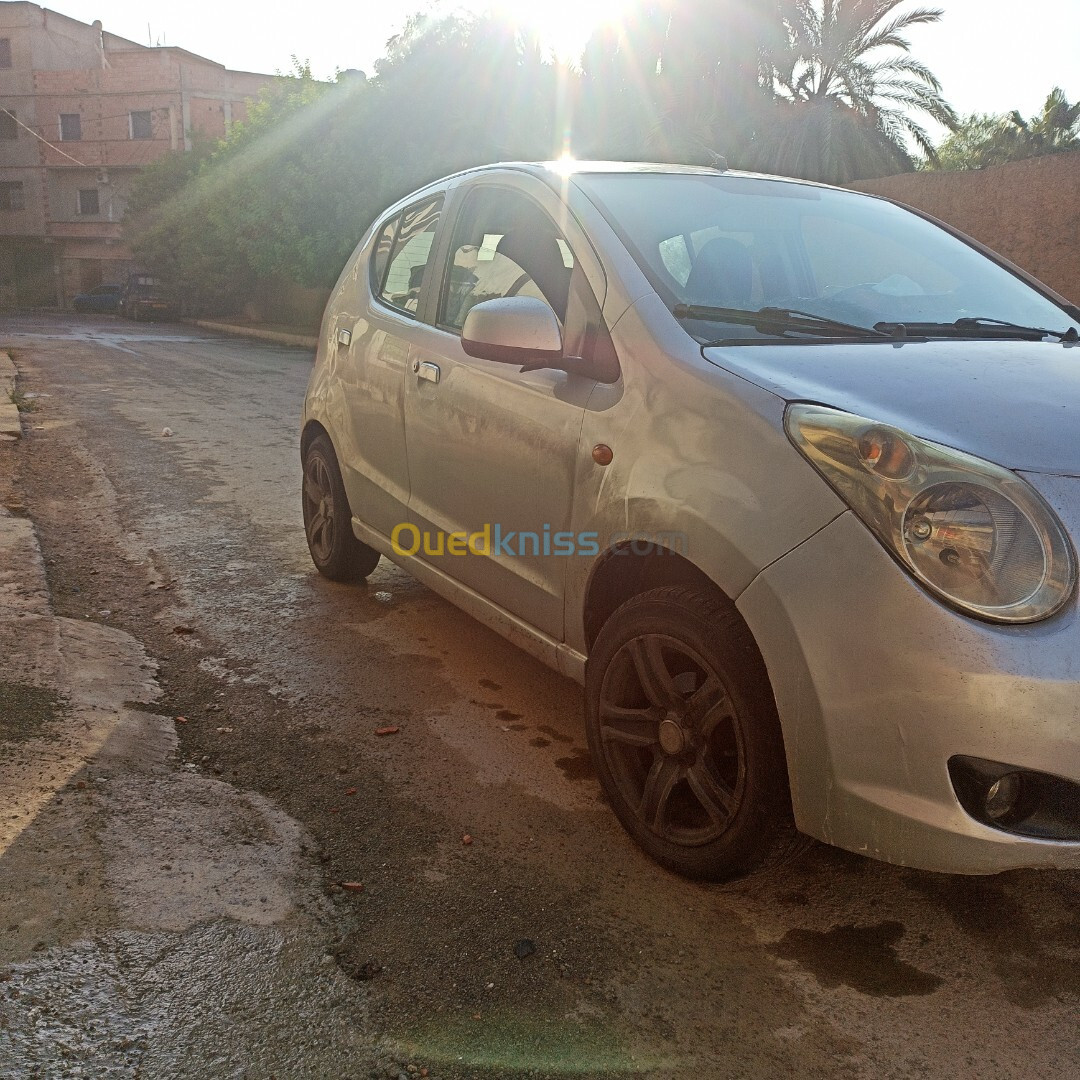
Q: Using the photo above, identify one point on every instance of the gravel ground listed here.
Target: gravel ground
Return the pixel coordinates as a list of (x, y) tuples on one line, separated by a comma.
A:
[(322, 913)]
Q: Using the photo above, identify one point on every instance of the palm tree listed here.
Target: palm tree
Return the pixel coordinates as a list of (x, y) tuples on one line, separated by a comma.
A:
[(982, 140), (849, 96), (1053, 130)]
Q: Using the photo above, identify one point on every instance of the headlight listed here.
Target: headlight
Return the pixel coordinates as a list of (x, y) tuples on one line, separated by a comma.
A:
[(972, 532)]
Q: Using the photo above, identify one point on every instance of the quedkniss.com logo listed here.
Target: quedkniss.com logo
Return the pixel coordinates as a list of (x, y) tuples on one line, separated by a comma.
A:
[(408, 539)]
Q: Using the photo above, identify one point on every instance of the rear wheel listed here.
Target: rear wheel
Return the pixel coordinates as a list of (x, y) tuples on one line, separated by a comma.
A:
[(684, 734), (335, 550)]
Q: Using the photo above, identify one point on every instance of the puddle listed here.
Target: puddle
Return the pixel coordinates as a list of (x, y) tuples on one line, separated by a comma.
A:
[(1030, 957), (863, 958), (578, 766)]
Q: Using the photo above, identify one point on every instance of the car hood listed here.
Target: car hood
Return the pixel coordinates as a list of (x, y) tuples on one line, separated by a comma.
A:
[(1016, 403)]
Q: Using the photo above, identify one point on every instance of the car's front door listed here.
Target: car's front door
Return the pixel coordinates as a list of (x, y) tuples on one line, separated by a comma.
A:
[(492, 450)]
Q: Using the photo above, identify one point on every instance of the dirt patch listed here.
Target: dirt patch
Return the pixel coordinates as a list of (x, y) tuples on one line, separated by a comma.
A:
[(26, 712)]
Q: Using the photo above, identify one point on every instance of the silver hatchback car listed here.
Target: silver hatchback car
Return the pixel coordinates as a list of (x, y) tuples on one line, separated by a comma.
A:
[(787, 476)]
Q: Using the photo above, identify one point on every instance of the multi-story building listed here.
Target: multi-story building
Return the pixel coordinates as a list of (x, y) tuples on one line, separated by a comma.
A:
[(81, 112)]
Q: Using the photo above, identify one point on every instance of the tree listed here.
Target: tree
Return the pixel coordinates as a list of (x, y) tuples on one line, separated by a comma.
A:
[(795, 86), (981, 139), (212, 222), (459, 91), (848, 91), (1055, 129), (984, 139), (674, 80), (290, 192)]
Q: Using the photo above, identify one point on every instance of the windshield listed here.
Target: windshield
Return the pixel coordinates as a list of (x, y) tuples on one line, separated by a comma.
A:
[(739, 242)]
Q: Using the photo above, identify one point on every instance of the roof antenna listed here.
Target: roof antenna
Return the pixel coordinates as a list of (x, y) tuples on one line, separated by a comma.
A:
[(715, 161)]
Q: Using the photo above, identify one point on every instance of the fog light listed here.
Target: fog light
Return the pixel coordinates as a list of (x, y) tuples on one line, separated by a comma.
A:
[(1002, 796), (1018, 801)]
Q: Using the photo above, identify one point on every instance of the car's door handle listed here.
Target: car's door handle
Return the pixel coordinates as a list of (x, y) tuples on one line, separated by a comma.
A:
[(426, 370)]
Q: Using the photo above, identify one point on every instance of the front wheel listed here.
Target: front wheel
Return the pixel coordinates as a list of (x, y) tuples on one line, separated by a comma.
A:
[(335, 550), (685, 737)]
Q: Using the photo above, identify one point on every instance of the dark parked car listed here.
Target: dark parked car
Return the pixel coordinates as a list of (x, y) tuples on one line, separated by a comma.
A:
[(104, 298), (142, 298)]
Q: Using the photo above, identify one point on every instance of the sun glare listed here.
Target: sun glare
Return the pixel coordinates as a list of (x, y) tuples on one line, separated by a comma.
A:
[(564, 26)]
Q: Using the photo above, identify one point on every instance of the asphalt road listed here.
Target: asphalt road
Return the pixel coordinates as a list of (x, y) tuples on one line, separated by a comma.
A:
[(232, 842)]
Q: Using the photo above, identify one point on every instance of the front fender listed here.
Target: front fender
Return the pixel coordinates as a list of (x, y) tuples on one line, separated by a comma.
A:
[(699, 454)]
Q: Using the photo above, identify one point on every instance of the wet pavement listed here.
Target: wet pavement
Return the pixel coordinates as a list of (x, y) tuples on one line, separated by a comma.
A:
[(195, 907)]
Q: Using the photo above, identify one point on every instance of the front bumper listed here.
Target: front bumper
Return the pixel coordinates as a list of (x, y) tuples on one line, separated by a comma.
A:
[(878, 685)]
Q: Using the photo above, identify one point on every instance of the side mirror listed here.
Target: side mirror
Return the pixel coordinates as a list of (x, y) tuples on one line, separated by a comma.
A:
[(514, 330)]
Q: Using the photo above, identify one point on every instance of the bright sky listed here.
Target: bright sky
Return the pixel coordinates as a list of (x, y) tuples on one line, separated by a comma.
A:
[(991, 55)]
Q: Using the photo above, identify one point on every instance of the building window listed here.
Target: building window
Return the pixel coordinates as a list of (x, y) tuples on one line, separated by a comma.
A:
[(11, 195), (88, 201), (142, 126), (5, 52), (70, 127), (8, 128)]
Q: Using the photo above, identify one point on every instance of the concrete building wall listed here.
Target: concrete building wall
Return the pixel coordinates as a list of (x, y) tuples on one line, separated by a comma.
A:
[(50, 41), (19, 158), (134, 104), (1029, 211), (111, 188)]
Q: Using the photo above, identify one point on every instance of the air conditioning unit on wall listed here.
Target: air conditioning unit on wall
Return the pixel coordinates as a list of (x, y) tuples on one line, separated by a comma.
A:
[(103, 176)]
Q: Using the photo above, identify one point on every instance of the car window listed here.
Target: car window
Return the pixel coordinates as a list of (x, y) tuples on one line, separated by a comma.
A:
[(680, 253), (408, 255), (846, 254), (380, 254), (504, 244), (730, 241)]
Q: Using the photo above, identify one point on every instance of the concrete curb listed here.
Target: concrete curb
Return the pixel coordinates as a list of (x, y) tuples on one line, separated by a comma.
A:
[(10, 425), (302, 341)]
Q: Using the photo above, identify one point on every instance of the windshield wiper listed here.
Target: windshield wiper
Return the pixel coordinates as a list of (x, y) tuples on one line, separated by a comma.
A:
[(775, 320), (977, 326)]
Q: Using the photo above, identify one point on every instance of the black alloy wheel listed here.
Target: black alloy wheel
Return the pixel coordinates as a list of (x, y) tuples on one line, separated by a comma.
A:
[(335, 550), (684, 733)]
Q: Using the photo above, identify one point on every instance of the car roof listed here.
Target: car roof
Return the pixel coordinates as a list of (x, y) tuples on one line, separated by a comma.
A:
[(563, 167), (555, 173)]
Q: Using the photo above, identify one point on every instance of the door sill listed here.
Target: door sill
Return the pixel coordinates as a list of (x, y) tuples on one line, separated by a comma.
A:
[(555, 654)]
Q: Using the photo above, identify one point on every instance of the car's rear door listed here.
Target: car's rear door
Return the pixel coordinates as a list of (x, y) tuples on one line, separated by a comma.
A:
[(376, 326)]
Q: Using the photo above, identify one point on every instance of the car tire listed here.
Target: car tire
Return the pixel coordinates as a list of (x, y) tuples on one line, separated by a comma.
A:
[(335, 550), (685, 737)]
